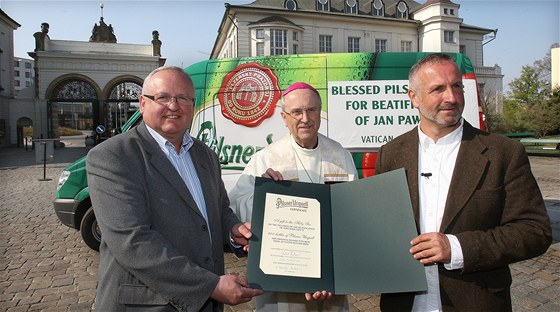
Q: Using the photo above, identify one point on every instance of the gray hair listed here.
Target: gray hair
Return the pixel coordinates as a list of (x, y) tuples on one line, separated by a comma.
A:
[(430, 59), (176, 69)]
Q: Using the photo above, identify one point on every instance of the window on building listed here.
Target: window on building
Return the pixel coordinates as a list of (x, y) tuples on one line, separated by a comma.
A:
[(16, 63), (353, 44), (351, 6), (449, 36), (27, 84), (402, 10), (445, 11), (27, 75), (260, 48), (323, 5), (406, 46), (290, 5), (16, 73), (16, 83), (278, 42), (259, 34), (295, 49), (325, 43), (27, 65), (462, 49), (452, 12), (295, 36), (380, 45), (378, 8)]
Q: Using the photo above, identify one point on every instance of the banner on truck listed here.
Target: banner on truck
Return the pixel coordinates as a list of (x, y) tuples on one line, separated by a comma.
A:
[(368, 114)]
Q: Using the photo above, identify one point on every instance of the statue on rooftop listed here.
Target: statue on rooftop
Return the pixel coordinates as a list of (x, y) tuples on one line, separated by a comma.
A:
[(40, 37), (102, 33), (156, 43)]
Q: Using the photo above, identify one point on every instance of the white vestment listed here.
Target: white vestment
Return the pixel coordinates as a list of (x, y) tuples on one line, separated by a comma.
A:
[(328, 161)]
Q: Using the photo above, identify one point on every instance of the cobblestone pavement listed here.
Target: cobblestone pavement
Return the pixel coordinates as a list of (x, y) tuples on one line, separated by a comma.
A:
[(45, 266)]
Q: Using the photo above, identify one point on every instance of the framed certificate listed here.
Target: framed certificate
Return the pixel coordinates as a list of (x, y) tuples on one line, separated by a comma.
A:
[(346, 238)]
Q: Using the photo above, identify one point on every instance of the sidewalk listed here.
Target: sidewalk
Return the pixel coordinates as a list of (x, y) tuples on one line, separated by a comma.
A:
[(19, 157), (45, 265)]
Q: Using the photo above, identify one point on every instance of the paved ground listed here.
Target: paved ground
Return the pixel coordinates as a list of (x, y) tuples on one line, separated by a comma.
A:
[(45, 266)]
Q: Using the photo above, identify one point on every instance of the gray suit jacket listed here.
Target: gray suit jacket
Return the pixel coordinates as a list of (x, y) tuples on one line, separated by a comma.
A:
[(494, 207), (156, 251)]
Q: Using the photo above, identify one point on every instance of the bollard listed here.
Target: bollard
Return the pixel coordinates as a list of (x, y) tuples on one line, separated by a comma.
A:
[(44, 162)]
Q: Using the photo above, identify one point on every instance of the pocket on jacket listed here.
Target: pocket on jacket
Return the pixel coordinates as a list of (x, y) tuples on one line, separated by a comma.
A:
[(495, 193), (139, 295)]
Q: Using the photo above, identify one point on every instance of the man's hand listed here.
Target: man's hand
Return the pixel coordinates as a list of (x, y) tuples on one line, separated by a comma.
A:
[(272, 174), (241, 233), (431, 248), (319, 295), (233, 290)]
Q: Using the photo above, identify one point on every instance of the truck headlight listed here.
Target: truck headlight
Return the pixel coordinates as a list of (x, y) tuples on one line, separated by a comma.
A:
[(63, 177)]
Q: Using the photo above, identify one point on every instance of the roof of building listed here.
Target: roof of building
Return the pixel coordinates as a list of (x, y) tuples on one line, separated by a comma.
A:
[(428, 2), (8, 19), (337, 6)]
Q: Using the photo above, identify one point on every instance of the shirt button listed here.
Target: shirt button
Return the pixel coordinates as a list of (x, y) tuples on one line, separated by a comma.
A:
[(205, 228), (207, 260)]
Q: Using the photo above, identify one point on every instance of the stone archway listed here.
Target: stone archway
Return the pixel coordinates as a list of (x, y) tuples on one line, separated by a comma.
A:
[(121, 102), (24, 129), (73, 107)]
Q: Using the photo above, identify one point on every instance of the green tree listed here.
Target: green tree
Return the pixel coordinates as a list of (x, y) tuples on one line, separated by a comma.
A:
[(529, 88), (543, 118), (513, 117), (531, 105)]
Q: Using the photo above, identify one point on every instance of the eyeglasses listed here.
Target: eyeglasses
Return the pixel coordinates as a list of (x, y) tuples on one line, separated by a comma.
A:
[(164, 99), (297, 114)]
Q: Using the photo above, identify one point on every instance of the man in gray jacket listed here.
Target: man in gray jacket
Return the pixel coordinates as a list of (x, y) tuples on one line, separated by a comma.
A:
[(163, 210)]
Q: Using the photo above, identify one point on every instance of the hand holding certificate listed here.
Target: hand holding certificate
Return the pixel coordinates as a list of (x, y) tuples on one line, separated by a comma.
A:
[(345, 238)]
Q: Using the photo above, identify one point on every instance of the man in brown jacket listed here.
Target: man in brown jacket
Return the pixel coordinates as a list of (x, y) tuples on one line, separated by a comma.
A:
[(476, 203)]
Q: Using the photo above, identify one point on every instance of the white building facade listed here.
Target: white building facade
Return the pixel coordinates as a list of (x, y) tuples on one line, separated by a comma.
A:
[(555, 67), (7, 27), (275, 27), (23, 73)]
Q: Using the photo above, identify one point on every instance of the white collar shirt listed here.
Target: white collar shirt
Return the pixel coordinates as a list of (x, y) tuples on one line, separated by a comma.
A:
[(436, 162), (182, 162)]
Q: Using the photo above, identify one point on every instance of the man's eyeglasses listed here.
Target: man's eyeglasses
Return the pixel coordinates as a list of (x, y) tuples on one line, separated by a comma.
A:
[(298, 113), (164, 99)]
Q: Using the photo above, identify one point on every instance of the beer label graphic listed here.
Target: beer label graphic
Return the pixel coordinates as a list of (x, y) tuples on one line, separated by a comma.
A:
[(249, 94)]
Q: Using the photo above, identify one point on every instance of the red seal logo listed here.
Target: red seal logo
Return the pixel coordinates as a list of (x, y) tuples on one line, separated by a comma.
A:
[(249, 94)]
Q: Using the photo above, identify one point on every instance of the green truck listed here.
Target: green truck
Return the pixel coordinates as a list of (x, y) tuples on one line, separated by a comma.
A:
[(237, 113)]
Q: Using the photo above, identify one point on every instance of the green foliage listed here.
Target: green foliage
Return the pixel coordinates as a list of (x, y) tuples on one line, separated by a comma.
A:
[(544, 118), (514, 117), (532, 105), (528, 89)]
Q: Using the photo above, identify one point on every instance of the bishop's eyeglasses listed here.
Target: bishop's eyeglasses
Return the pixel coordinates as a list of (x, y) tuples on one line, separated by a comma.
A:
[(297, 113)]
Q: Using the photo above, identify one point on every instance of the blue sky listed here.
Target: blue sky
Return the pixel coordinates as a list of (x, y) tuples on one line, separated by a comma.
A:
[(188, 28)]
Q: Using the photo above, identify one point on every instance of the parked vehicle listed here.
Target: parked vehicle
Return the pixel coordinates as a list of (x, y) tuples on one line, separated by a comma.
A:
[(237, 113)]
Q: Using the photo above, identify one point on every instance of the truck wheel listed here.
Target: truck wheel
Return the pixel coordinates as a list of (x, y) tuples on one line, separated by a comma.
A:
[(90, 230)]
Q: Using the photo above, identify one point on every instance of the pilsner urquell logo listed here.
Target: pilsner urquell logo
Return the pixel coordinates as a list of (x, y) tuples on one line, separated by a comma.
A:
[(249, 94), (291, 204)]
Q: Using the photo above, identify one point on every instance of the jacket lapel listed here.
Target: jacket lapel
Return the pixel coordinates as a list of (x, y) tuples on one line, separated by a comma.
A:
[(409, 152), (469, 169), (160, 162)]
